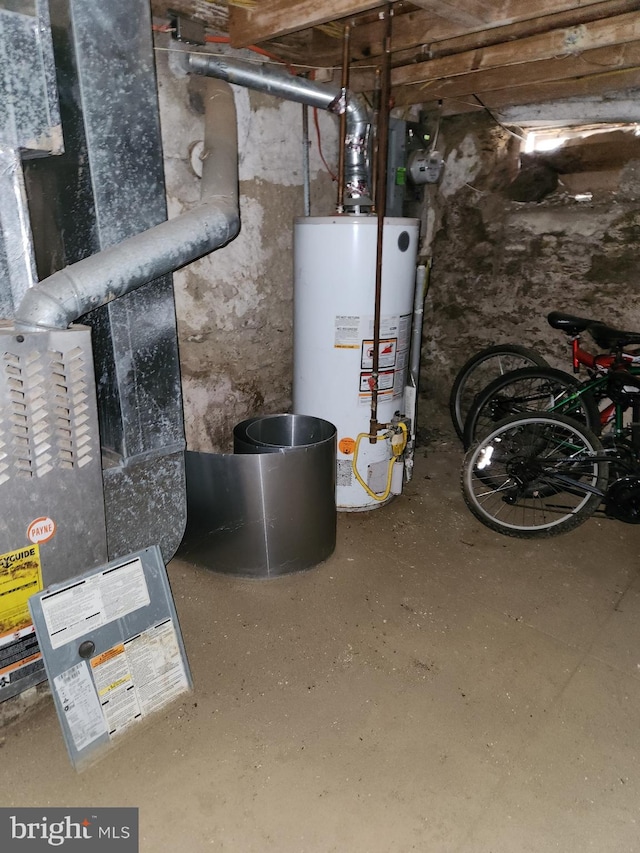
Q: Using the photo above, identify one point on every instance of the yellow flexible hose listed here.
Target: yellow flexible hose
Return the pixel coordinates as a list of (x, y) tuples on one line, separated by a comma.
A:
[(396, 449)]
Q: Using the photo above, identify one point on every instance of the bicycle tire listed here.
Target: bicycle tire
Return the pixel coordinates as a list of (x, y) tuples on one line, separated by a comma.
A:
[(530, 389), (482, 368), (535, 476)]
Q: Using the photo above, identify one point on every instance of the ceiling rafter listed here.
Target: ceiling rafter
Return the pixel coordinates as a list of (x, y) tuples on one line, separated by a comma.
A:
[(437, 37), (275, 18), (564, 42), (448, 49), (603, 61)]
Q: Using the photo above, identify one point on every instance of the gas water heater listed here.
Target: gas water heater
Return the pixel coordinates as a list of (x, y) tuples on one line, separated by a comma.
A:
[(334, 303)]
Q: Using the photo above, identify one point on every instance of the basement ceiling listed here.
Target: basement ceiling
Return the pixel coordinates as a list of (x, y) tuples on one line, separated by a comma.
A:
[(466, 54)]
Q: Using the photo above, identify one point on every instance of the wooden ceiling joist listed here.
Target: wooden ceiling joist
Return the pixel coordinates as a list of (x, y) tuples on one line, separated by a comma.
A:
[(500, 100), (411, 33), (468, 14), (594, 62), (507, 51), (565, 42), (274, 18)]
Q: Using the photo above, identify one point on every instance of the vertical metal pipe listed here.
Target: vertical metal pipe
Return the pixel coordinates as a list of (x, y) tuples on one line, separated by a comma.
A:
[(343, 116), (381, 203), (375, 119), (411, 389), (305, 160), (423, 273)]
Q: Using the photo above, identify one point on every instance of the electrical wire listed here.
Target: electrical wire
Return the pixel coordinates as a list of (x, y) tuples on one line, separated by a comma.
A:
[(213, 39), (316, 123), (252, 47), (497, 120)]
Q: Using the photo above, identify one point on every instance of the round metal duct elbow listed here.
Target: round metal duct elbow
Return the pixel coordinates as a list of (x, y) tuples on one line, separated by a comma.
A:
[(282, 84), (59, 300)]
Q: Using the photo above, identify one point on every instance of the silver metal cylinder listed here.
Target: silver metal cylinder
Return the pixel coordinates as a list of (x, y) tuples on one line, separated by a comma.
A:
[(269, 509)]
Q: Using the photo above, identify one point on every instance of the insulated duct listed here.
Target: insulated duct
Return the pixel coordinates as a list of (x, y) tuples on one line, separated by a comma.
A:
[(70, 293), (274, 81)]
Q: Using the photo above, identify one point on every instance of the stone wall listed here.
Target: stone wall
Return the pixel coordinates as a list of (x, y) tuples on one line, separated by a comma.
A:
[(499, 266), (234, 307)]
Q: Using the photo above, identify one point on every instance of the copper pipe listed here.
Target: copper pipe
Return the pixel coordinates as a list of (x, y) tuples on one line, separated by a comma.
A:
[(381, 203), (343, 116), (374, 143)]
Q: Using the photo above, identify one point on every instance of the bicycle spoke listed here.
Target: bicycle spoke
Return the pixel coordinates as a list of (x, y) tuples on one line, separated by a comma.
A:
[(533, 474)]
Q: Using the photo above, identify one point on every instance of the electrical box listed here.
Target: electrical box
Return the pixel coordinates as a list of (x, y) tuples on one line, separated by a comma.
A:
[(406, 140)]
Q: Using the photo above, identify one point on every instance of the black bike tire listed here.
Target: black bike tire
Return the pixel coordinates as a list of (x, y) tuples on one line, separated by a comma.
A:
[(468, 369), (562, 379), (574, 519)]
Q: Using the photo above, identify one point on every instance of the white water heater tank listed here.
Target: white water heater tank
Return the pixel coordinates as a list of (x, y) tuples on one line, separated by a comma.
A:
[(334, 304)]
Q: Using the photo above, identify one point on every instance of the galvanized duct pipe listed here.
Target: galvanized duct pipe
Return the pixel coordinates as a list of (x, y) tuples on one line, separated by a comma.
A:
[(275, 81), (60, 299)]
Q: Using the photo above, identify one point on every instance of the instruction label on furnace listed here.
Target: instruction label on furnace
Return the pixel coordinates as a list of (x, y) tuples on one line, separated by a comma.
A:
[(91, 603), (80, 705), (139, 676), (113, 650), (20, 577)]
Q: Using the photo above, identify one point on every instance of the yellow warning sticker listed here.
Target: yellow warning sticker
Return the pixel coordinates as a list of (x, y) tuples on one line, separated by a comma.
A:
[(20, 577)]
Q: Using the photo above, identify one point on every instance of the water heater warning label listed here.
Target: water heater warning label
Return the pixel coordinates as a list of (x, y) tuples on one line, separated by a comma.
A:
[(347, 333), (387, 351), (385, 382)]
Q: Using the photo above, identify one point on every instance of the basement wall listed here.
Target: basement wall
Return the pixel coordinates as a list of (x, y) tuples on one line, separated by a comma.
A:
[(235, 306), (499, 266)]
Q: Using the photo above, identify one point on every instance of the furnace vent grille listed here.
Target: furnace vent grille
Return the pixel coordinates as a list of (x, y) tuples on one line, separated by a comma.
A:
[(44, 424)]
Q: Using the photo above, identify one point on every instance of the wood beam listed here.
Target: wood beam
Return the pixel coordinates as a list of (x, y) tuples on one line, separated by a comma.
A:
[(511, 32), (603, 61), (541, 93), (472, 15), (273, 18), (510, 49), (422, 28), (564, 42)]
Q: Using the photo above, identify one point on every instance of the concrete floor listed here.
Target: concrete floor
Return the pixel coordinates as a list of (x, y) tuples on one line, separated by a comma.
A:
[(433, 687)]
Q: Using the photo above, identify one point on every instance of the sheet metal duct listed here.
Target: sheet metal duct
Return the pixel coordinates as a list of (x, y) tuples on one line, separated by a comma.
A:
[(274, 81), (29, 126), (99, 219), (119, 269)]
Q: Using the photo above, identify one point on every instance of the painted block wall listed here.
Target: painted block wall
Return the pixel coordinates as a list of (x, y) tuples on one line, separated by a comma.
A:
[(500, 266), (235, 306)]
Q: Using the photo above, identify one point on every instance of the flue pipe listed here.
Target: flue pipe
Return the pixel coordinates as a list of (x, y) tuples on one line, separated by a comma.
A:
[(64, 296), (278, 82), (344, 97)]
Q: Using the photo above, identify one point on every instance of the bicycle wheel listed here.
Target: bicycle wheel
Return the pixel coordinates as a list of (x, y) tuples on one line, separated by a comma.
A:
[(535, 476), (531, 389), (480, 370)]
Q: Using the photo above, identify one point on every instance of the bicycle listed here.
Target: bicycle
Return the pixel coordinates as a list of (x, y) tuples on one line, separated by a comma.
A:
[(476, 373), (533, 389), (494, 362), (541, 474)]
